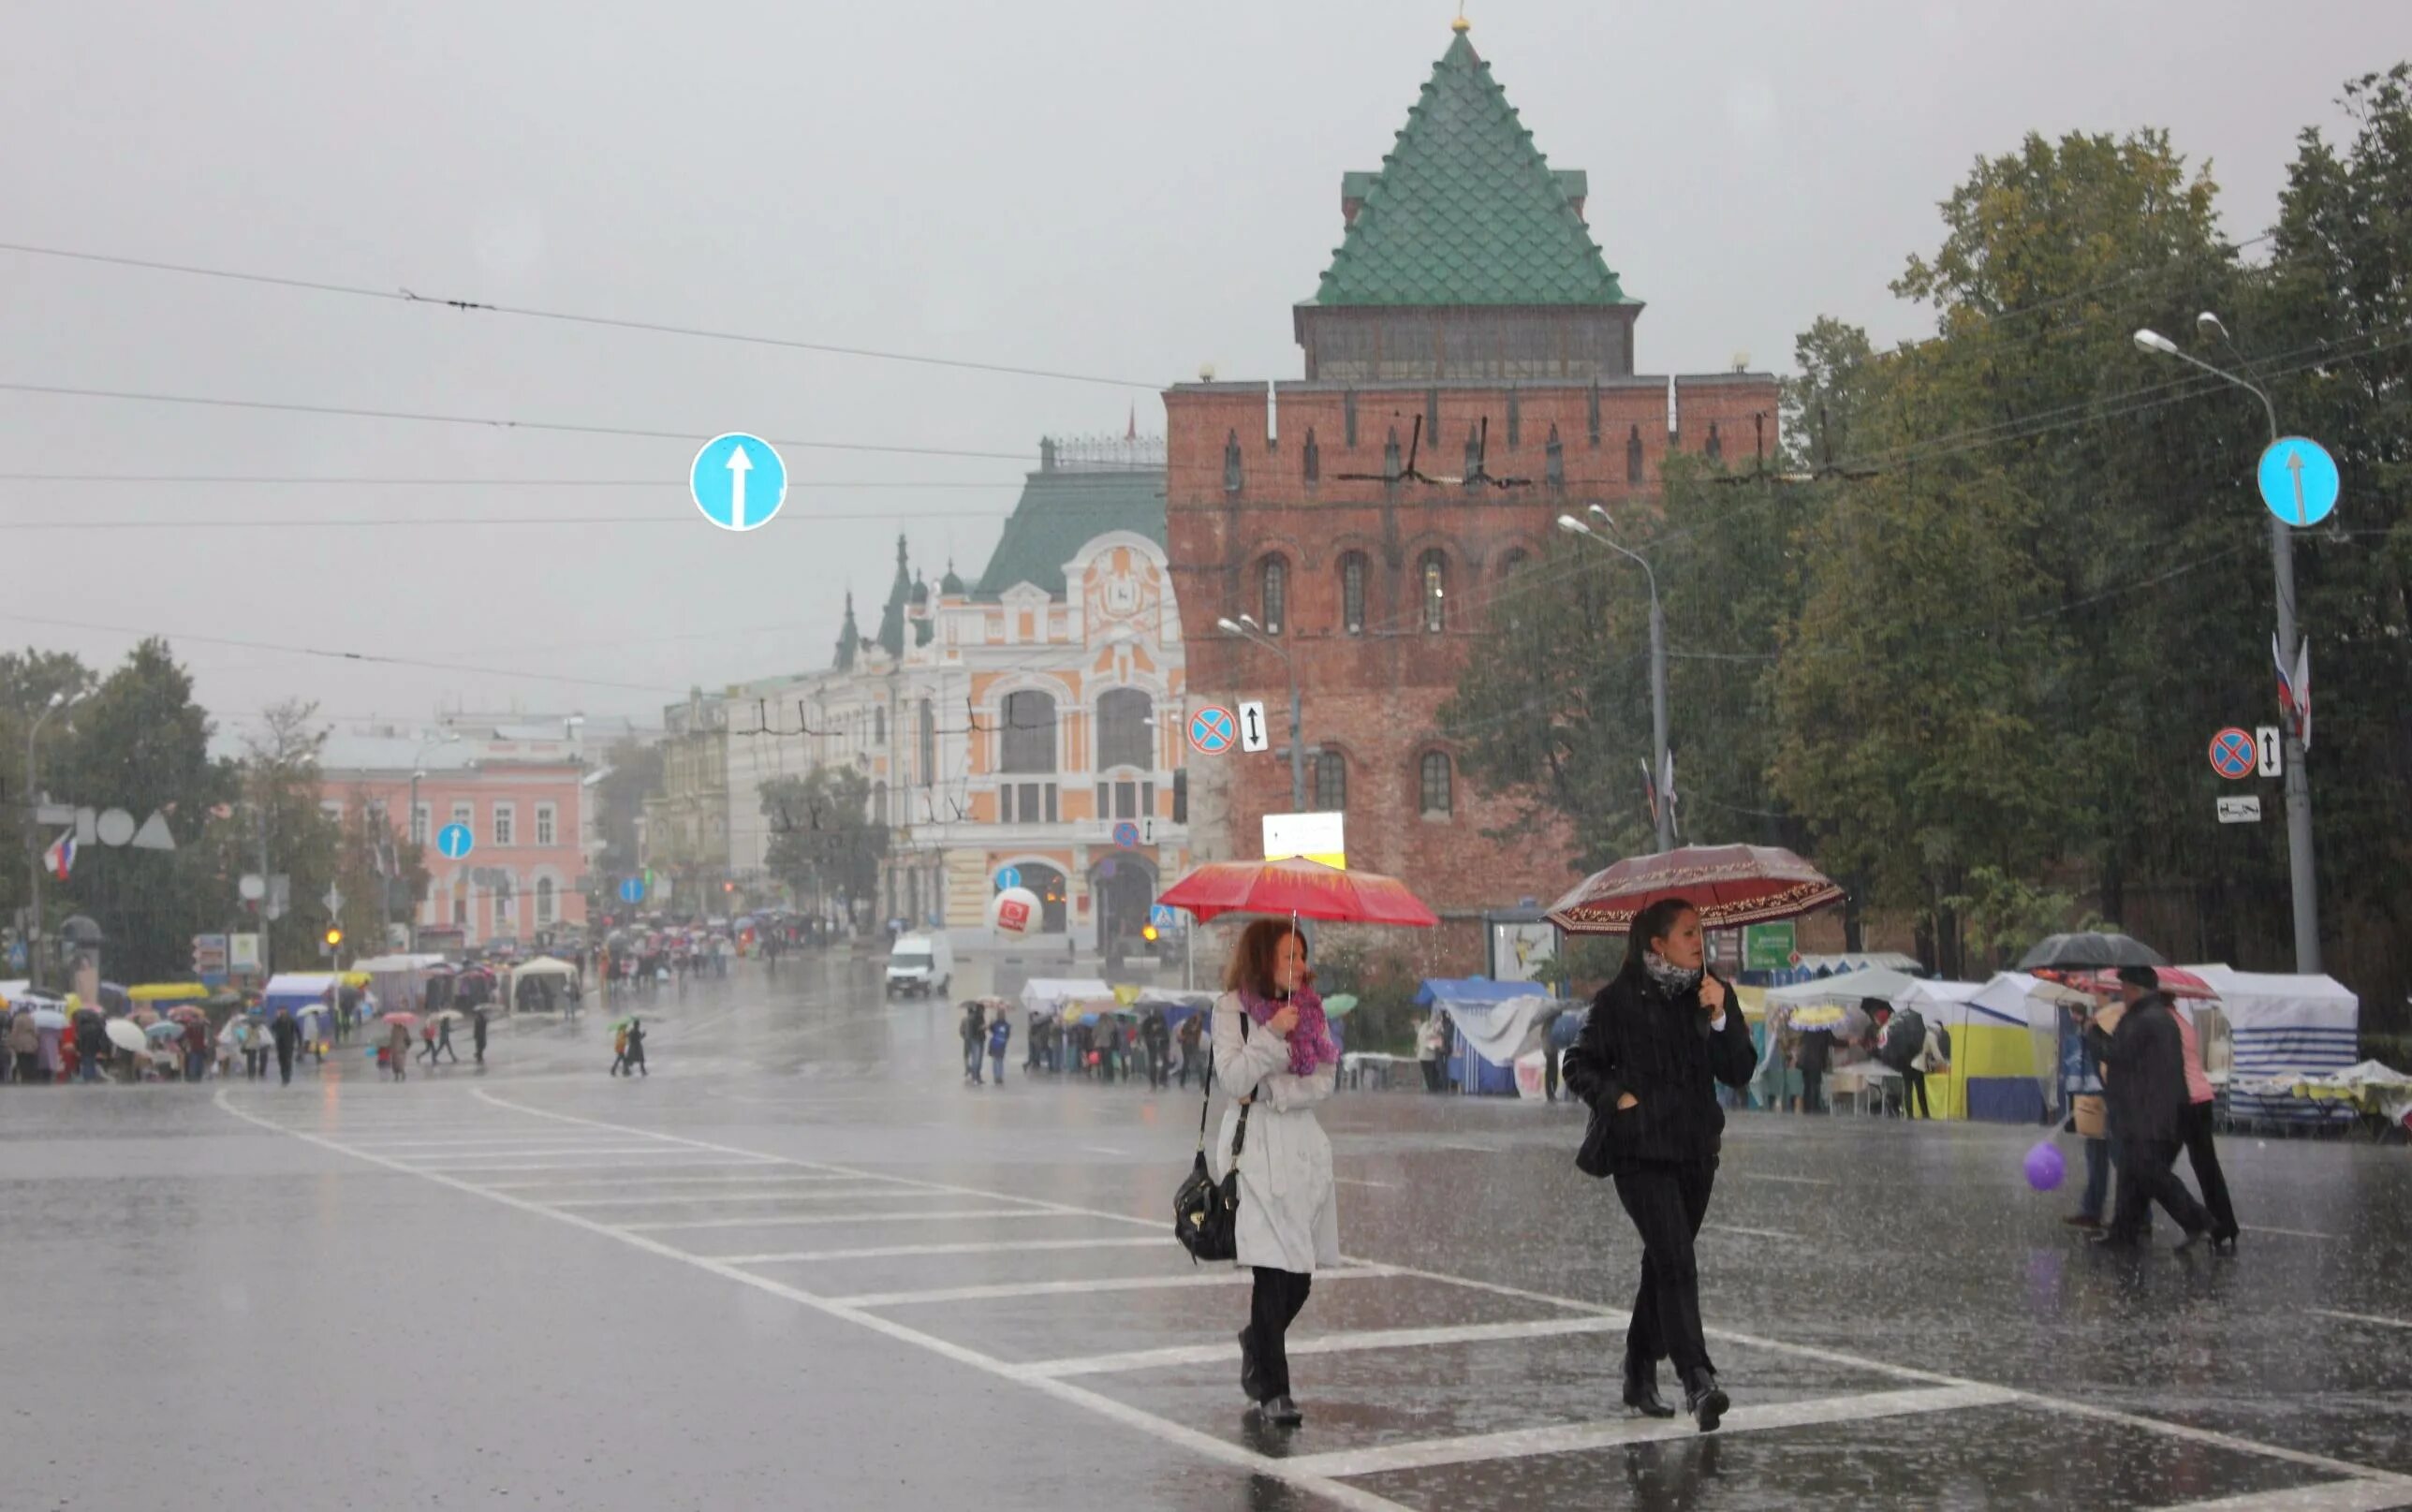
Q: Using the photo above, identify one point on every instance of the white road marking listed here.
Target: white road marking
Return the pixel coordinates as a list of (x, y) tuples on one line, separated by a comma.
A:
[(2292, 1233), (787, 1194), (2329, 1496), (552, 1184), (1104, 1150), (1358, 1181), (883, 1215), (2361, 1318), (1322, 1344), (385, 1146), (1574, 1437), (1219, 1276), (1768, 1176), (887, 1251), (465, 1160), (1755, 1233), (496, 1170), (1217, 1449), (1203, 1445)]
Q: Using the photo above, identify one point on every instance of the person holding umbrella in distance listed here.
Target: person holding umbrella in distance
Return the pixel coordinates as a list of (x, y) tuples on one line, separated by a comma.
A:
[(1661, 1035)]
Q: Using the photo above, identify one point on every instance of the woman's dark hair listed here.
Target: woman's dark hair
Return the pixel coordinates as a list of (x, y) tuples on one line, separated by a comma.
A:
[(1654, 922), (1252, 962)]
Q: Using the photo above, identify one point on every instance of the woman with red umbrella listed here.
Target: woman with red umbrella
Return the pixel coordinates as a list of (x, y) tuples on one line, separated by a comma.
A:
[(1659, 1038), (1274, 1055)]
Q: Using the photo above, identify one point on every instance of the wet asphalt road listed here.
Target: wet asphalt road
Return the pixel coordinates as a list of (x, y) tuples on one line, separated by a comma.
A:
[(800, 1265)]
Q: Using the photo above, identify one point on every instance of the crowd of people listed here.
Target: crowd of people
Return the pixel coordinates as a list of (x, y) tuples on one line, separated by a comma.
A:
[(1142, 1044), (243, 1036)]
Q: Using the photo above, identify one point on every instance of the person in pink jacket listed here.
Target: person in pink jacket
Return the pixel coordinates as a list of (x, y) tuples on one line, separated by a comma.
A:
[(2196, 1129)]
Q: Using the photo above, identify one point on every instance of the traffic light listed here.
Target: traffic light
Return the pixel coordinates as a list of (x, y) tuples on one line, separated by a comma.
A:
[(335, 936), (1148, 935)]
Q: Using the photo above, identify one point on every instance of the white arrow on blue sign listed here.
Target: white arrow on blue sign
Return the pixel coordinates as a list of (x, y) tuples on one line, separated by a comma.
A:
[(454, 842), (2298, 480), (633, 890), (1008, 877), (737, 481)]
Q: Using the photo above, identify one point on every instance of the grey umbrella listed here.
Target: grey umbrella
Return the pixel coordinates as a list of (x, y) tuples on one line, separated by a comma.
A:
[(2088, 951)]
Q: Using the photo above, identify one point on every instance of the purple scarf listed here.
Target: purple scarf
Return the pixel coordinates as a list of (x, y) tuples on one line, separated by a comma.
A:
[(1310, 1043)]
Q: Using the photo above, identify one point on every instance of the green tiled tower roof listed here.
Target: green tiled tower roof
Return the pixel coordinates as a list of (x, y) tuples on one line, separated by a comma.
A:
[(1465, 209)]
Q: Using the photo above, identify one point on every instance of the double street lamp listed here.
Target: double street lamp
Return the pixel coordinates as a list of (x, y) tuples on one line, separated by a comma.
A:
[(2282, 566), (1247, 628), (1664, 807)]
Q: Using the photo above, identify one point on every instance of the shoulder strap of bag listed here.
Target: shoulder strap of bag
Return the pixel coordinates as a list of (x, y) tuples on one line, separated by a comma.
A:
[(1207, 1103)]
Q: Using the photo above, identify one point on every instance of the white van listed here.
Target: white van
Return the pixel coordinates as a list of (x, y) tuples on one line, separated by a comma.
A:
[(920, 964)]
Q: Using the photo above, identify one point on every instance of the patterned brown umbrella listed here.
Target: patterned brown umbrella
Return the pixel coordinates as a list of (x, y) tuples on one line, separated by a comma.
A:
[(1731, 884)]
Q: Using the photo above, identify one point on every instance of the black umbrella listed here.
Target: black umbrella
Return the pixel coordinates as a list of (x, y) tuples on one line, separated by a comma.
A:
[(2089, 951)]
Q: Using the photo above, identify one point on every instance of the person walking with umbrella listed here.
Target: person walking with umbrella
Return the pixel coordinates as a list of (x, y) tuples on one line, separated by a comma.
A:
[(397, 1046), (1659, 1038), (1275, 1056), (2145, 1080)]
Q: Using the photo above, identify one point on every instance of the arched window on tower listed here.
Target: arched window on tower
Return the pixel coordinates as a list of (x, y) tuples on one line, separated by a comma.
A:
[(1352, 593), (1390, 456), (1633, 458), (1438, 801), (1435, 573), (1314, 457), (1231, 461), (1272, 602), (1330, 781), (1716, 447), (1125, 736), (1554, 461)]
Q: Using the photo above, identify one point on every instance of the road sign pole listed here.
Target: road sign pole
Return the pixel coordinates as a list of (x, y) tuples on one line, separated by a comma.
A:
[(2299, 864), (1297, 749)]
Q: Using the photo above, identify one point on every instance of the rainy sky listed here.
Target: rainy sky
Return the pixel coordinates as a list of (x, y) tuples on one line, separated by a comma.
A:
[(1115, 191)]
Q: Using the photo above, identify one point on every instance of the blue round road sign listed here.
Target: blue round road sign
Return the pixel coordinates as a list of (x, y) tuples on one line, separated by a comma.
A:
[(1213, 730), (1008, 877), (633, 890), (2232, 753), (2298, 480), (1127, 834), (454, 842), (737, 481)]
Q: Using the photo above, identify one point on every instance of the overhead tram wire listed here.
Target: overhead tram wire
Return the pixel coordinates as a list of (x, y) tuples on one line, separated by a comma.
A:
[(406, 296)]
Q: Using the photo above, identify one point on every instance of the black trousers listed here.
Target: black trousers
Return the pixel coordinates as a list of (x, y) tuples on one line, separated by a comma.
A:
[(2204, 1157), (284, 1065), (1279, 1296), (1666, 1204), (1812, 1095), (1549, 1072), (1913, 1089), (2145, 1177)]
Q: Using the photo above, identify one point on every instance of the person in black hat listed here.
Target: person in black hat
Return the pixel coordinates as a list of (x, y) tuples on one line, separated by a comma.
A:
[(2146, 1086)]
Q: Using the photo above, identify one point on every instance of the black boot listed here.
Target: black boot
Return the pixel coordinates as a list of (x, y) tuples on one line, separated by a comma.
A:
[(1251, 1384), (1641, 1388), (1705, 1399)]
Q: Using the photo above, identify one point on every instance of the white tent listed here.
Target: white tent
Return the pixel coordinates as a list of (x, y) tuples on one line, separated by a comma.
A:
[(2284, 1027), (1848, 988), (1050, 992)]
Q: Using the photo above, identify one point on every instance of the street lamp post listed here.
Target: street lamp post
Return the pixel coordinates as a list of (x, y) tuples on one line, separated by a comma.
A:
[(1665, 808), (417, 836), (2282, 566), (1247, 629), (33, 835)]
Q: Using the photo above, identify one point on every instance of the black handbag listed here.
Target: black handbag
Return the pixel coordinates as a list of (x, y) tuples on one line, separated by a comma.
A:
[(1205, 1213)]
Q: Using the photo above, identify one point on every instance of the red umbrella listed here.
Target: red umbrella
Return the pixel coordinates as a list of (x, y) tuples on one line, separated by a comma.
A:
[(1730, 885), (2175, 982), (1308, 889)]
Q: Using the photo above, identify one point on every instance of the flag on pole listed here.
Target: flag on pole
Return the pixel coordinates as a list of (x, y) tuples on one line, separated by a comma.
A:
[(61, 856), (2295, 690), (1667, 793), (1650, 791)]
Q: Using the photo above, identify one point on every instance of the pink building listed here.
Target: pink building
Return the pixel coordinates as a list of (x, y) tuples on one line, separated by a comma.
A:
[(522, 796)]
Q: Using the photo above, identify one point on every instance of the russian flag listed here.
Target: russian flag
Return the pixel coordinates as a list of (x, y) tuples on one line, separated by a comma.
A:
[(60, 857), (2295, 690)]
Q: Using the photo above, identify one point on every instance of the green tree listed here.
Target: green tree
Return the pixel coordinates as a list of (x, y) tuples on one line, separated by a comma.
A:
[(822, 840), (632, 770)]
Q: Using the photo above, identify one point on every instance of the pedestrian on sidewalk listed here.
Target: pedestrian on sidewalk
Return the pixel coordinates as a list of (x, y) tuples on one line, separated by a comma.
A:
[(1659, 1039), (1155, 1035), (1431, 1047), (1900, 1047), (478, 1034), (2195, 1132), (1274, 1055), (1816, 1052), (1000, 1033), (1191, 1038), (287, 1036), (974, 1031), (2145, 1081), (635, 1052)]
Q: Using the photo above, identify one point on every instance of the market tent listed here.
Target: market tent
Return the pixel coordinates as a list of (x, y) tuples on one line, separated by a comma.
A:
[(400, 981), (299, 990), (2284, 1027), (2004, 1045), (1847, 987), (1495, 1023), (545, 966), (1049, 993), (163, 995)]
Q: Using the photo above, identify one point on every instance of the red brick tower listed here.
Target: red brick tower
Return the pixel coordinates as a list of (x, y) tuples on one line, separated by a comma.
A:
[(1468, 329)]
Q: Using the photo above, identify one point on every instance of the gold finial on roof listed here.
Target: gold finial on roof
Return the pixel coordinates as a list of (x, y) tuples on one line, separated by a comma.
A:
[(1461, 24)]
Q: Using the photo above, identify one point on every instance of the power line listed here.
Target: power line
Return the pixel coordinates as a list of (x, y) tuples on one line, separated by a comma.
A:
[(259, 479), (405, 295), (679, 518), (346, 412)]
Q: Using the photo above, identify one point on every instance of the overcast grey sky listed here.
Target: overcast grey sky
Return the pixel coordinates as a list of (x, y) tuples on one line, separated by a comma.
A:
[(1110, 189)]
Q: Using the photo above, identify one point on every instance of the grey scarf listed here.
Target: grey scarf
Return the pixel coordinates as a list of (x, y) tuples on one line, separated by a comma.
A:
[(1673, 981)]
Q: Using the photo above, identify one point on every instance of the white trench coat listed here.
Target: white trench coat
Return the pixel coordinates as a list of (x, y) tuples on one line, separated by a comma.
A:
[(1289, 1218)]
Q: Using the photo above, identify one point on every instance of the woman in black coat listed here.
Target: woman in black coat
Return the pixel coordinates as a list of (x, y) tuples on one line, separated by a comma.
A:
[(1659, 1039)]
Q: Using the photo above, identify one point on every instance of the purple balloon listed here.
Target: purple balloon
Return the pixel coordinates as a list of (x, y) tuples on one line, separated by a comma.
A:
[(2045, 1168)]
